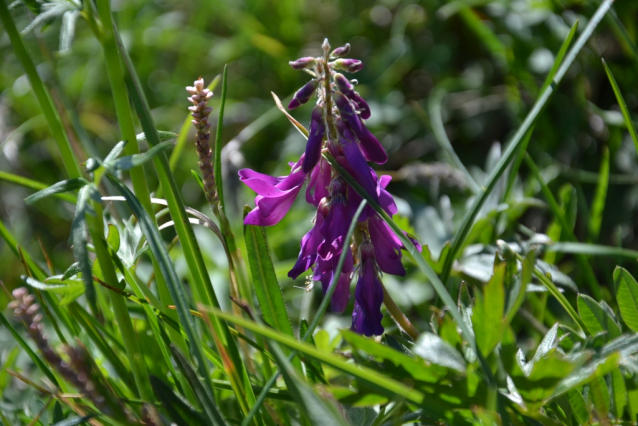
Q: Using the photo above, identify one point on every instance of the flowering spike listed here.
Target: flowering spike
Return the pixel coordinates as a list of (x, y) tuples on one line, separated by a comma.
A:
[(341, 51), (304, 94)]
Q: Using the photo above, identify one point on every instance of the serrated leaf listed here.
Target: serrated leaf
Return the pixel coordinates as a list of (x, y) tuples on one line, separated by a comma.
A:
[(432, 348), (57, 188), (595, 318), (627, 297), (489, 310)]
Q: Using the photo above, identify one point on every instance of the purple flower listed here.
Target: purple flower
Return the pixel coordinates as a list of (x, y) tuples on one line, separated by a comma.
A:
[(324, 273), (370, 146), (303, 63), (275, 195), (354, 162), (341, 51), (347, 89), (348, 65), (368, 296), (315, 139), (320, 178), (309, 244), (387, 247), (335, 226), (304, 94)]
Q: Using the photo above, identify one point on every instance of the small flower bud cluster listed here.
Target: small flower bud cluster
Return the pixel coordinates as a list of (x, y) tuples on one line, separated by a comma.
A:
[(336, 125), (200, 111), (77, 370)]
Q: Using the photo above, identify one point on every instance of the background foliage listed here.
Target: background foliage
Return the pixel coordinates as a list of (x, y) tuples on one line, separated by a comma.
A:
[(467, 72)]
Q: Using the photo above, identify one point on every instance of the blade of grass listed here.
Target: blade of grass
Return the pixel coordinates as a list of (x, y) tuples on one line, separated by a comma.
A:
[(32, 184), (587, 269), (593, 250), (408, 246), (598, 204), (192, 253), (623, 105), (315, 322), (516, 141), (44, 99), (364, 373)]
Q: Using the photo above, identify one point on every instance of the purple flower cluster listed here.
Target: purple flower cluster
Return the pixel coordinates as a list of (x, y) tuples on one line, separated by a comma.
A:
[(336, 125)]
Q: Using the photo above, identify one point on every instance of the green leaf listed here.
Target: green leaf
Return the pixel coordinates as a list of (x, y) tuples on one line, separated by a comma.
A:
[(489, 309), (75, 420), (598, 204), (314, 371), (198, 179), (627, 297), (632, 399), (595, 318), (544, 377), (432, 348), (130, 161), (217, 159), (579, 407), (205, 399), (271, 301), (517, 293), (361, 416), (179, 411), (57, 188), (619, 393), (79, 239), (55, 285), (623, 105), (71, 271), (415, 367), (32, 184), (599, 395)]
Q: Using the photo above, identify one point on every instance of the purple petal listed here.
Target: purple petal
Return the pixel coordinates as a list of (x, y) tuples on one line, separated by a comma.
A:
[(356, 164), (304, 94), (367, 316), (370, 146), (387, 247), (364, 108), (315, 139), (317, 187), (334, 230), (309, 244), (385, 199), (341, 296), (414, 241)]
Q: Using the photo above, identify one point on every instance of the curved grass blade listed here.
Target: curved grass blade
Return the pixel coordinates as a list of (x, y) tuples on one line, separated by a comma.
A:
[(180, 412), (515, 143), (57, 188), (32, 184), (623, 105), (598, 204), (592, 250), (364, 373)]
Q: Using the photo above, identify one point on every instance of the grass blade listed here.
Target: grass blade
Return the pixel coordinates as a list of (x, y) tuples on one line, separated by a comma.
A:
[(515, 143), (623, 105), (217, 161), (33, 184), (598, 204)]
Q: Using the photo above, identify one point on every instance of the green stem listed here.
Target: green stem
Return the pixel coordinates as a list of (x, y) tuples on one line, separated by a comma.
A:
[(41, 93), (399, 316), (122, 317)]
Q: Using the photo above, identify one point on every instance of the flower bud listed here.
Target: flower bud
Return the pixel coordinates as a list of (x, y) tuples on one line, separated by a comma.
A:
[(343, 84), (315, 138), (348, 65), (303, 63), (304, 94), (341, 51)]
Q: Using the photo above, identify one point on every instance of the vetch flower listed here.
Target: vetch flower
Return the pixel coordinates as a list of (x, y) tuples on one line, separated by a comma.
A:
[(315, 139), (367, 316), (304, 94)]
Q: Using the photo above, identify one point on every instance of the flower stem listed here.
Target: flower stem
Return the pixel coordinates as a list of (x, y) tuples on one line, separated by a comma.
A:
[(399, 316)]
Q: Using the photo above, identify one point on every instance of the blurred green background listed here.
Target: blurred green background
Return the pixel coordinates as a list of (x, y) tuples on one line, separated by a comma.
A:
[(479, 63)]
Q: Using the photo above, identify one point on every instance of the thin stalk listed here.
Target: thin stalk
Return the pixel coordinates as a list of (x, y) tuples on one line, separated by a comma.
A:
[(315, 321), (124, 114), (516, 141), (122, 317), (41, 93), (398, 315)]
